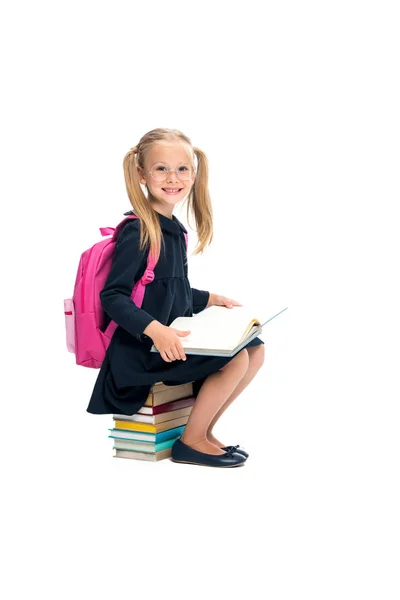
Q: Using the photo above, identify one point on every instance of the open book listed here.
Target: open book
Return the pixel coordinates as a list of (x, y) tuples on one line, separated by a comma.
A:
[(218, 330)]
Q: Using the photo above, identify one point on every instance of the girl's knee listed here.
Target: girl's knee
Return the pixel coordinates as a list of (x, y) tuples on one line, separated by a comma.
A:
[(241, 361), (242, 358), (257, 355)]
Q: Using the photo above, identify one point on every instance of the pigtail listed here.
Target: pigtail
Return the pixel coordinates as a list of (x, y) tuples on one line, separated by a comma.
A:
[(200, 203), (150, 229)]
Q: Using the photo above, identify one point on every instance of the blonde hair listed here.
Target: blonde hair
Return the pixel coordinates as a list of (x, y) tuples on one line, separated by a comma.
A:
[(199, 201)]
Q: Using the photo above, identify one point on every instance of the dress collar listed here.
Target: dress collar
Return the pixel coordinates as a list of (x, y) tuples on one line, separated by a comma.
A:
[(172, 225)]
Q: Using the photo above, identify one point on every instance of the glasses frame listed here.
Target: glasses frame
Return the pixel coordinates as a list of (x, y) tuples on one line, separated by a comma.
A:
[(169, 171)]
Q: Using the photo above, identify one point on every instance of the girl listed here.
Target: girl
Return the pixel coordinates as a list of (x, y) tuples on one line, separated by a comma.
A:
[(163, 161)]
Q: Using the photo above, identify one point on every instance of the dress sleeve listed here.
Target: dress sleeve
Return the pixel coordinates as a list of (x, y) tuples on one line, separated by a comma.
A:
[(128, 266), (200, 300)]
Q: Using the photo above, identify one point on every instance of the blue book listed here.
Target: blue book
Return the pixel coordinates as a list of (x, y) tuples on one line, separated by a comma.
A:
[(147, 437)]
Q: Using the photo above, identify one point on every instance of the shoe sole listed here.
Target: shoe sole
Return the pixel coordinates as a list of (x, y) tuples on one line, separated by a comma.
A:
[(186, 462)]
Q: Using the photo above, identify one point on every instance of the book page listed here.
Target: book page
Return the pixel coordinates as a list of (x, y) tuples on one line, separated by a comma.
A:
[(216, 327)]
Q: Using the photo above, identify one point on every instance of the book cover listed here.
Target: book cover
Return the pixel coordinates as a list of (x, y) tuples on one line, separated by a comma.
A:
[(156, 428), (146, 437), (159, 418), (143, 446), (135, 455), (218, 330), (168, 406), (161, 393)]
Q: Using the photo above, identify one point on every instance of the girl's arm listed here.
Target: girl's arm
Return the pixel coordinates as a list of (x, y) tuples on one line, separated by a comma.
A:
[(128, 266), (211, 300), (201, 300)]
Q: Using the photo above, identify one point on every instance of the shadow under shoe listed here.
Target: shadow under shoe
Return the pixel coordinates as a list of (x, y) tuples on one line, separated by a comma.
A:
[(181, 452)]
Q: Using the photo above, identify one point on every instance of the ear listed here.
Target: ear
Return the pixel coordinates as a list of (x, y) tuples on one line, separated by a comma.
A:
[(140, 173)]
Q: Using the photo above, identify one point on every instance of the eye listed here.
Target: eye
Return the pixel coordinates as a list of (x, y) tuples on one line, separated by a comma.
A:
[(159, 168), (183, 168)]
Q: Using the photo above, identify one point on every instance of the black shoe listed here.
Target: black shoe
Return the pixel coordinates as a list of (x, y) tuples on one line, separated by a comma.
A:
[(181, 452), (237, 449)]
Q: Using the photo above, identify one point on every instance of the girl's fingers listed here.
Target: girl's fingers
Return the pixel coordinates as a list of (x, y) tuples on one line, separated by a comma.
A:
[(169, 355), (172, 353), (175, 353), (180, 352)]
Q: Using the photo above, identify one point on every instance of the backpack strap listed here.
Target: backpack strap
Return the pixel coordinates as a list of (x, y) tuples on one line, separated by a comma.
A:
[(148, 276)]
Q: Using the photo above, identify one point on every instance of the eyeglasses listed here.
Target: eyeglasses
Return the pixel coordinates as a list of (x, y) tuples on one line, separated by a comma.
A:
[(160, 171)]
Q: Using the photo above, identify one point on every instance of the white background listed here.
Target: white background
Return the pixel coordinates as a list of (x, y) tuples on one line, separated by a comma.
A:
[(296, 105)]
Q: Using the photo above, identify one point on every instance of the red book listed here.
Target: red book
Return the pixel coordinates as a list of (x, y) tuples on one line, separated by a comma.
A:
[(162, 408)]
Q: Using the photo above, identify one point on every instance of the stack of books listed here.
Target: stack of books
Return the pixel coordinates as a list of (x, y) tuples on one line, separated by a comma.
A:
[(150, 433)]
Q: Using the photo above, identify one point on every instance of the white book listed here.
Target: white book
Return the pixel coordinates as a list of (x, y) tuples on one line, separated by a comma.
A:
[(136, 455), (218, 330)]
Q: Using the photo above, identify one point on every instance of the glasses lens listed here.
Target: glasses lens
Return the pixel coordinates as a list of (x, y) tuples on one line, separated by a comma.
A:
[(185, 171), (159, 171)]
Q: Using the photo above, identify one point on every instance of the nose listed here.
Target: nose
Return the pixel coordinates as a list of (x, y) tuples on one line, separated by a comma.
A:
[(172, 176)]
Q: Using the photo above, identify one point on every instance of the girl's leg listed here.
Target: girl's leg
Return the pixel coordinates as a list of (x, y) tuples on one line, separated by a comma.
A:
[(256, 359), (212, 395)]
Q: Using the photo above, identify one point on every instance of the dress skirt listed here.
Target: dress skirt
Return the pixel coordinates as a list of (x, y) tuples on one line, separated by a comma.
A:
[(120, 391)]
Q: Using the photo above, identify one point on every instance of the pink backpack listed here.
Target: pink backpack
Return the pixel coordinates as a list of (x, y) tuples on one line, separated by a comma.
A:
[(84, 314)]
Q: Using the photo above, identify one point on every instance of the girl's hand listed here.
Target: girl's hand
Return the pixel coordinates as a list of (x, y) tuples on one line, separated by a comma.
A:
[(217, 300), (167, 341)]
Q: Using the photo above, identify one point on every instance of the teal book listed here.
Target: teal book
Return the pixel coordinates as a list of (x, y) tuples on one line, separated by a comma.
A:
[(147, 437), (218, 330), (142, 446)]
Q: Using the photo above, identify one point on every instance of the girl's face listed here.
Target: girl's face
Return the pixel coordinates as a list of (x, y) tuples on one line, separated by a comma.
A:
[(171, 155)]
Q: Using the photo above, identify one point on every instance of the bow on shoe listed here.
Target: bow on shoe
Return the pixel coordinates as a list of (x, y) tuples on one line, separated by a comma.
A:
[(231, 450)]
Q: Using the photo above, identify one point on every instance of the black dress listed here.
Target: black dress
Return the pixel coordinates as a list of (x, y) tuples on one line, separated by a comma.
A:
[(129, 369)]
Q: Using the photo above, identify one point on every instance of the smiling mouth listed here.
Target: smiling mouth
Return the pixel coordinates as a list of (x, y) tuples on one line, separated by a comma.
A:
[(172, 191)]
